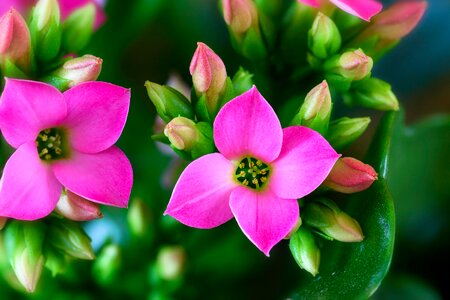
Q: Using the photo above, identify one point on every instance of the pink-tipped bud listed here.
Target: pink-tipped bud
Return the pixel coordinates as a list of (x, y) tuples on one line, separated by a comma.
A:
[(398, 20), (350, 175), (15, 41), (80, 69), (182, 133), (76, 208), (239, 15), (355, 64)]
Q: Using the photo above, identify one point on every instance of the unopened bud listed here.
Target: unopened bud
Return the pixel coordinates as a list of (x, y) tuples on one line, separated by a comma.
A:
[(242, 81), (107, 265), (208, 75), (350, 175), (169, 103), (316, 110), (324, 38), (80, 69), (372, 93), (70, 238), (76, 208), (333, 222), (139, 217), (24, 244), (239, 15), (354, 65), (397, 21), (15, 41), (344, 131), (46, 29), (305, 251), (78, 28), (182, 133), (170, 262)]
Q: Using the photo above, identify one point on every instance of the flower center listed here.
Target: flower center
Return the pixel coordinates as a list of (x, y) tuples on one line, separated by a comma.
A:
[(50, 143), (252, 172)]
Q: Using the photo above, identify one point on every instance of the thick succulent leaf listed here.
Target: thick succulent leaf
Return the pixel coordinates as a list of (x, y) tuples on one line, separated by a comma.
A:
[(355, 270)]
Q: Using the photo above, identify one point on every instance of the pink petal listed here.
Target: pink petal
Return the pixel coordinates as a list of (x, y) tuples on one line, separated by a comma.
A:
[(304, 162), (364, 9), (313, 3), (96, 115), (105, 177), (248, 126), (27, 107), (20, 5), (263, 217), (200, 197), (69, 6), (28, 189)]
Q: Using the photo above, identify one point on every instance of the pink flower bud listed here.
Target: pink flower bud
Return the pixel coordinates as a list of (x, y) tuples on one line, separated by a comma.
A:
[(355, 64), (15, 42), (398, 20), (182, 133), (208, 74), (239, 15), (76, 208), (317, 102), (350, 175), (80, 69)]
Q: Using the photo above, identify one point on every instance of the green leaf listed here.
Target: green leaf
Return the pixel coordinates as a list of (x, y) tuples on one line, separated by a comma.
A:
[(355, 270)]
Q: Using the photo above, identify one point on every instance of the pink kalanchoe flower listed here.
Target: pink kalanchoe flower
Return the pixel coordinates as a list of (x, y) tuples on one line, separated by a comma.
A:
[(258, 175), (66, 6), (364, 9), (62, 139)]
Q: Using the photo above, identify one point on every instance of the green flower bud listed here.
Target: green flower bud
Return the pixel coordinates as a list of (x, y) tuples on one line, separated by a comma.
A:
[(55, 261), (169, 102), (353, 65), (170, 262), (344, 131), (46, 29), (305, 251), (324, 38), (80, 69), (78, 28), (23, 243), (372, 93), (70, 238), (242, 81), (107, 265), (316, 109), (139, 217), (326, 216)]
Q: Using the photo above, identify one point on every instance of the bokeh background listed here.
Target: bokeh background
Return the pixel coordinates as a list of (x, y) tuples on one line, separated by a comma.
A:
[(151, 39)]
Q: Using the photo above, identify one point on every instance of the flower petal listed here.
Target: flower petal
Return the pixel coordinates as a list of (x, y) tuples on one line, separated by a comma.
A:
[(28, 188), (201, 196), (96, 115), (105, 177), (313, 3), (304, 162), (364, 9), (263, 217), (27, 107), (247, 125)]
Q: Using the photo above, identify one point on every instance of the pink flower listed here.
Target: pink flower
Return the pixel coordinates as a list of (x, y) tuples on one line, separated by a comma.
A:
[(258, 175), (364, 9), (62, 139), (66, 6)]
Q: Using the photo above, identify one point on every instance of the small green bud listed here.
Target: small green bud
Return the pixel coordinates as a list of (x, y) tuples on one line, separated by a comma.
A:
[(170, 262), (139, 217), (333, 222), (242, 81), (324, 38), (372, 93), (70, 238), (107, 265), (23, 243), (78, 28), (305, 251), (316, 109), (46, 29), (344, 131), (169, 102), (353, 65)]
